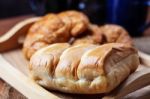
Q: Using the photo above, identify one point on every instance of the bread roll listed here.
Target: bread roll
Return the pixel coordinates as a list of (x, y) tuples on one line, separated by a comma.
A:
[(83, 68)]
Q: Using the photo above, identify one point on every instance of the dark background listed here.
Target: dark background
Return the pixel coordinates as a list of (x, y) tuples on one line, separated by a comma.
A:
[(10, 8)]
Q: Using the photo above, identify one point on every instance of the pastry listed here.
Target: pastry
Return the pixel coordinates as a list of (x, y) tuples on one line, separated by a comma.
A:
[(77, 21), (108, 33), (92, 35), (62, 27), (53, 28), (83, 68), (115, 33)]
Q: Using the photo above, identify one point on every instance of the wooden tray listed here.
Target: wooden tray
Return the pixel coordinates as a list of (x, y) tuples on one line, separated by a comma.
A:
[(13, 69)]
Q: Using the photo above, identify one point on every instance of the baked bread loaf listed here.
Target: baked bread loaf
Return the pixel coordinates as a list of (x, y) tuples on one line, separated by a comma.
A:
[(83, 68)]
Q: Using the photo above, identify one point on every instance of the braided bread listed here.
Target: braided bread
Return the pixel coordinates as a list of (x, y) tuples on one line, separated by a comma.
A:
[(83, 68)]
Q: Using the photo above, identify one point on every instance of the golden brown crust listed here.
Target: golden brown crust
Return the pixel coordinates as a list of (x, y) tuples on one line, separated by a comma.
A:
[(71, 58), (54, 28), (47, 30), (44, 64), (84, 68), (115, 33), (93, 35), (77, 21), (105, 34)]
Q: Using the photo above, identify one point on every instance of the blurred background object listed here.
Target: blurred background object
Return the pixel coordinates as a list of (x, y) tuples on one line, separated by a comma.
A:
[(131, 14), (41, 7), (94, 9), (10, 8)]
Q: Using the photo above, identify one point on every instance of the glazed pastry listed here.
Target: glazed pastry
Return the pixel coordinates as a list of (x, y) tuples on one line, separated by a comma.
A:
[(105, 34), (54, 28), (115, 33), (83, 68), (77, 21), (93, 35)]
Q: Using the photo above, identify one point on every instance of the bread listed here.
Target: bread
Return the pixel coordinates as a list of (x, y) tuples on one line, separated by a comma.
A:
[(93, 35), (108, 33), (62, 27), (83, 68), (115, 33), (53, 28), (77, 21)]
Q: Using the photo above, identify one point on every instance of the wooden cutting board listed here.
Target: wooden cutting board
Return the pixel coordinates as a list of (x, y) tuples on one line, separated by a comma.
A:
[(13, 69)]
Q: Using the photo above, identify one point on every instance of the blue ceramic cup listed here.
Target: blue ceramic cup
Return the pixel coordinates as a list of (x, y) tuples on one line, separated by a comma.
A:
[(131, 14)]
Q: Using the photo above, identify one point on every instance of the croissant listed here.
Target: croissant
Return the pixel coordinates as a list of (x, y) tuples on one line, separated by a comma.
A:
[(108, 33), (53, 28), (83, 68), (93, 36), (115, 33), (77, 21)]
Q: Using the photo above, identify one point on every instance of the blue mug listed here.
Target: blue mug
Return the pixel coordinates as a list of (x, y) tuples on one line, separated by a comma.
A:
[(131, 14)]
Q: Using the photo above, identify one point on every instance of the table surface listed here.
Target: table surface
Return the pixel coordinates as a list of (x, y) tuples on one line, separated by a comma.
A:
[(6, 91)]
